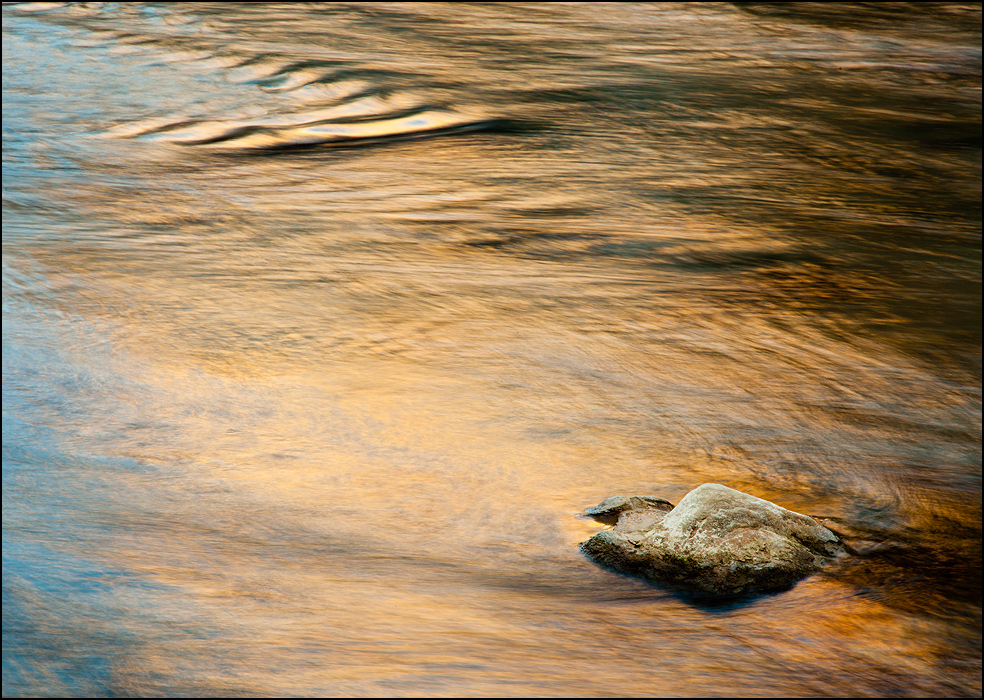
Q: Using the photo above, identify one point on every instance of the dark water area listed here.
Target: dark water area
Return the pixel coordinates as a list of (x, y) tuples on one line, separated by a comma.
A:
[(322, 323)]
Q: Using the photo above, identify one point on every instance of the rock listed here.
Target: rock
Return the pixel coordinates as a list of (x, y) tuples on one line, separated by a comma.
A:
[(715, 541), (608, 510)]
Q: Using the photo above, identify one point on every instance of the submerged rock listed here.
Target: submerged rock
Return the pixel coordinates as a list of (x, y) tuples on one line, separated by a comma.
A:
[(716, 541)]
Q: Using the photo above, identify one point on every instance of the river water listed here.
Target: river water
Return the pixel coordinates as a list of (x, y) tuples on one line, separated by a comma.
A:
[(323, 322)]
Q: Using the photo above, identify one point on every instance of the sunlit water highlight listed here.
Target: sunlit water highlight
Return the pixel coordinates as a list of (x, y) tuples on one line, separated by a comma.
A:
[(322, 322)]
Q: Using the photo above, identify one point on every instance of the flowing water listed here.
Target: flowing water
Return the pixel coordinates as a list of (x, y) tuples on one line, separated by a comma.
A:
[(323, 322)]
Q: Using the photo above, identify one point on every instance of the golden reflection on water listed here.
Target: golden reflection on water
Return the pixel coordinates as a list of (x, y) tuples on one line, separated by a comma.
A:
[(319, 422), (379, 527), (365, 472)]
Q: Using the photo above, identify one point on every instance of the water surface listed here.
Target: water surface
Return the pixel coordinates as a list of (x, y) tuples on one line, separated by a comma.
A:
[(322, 322)]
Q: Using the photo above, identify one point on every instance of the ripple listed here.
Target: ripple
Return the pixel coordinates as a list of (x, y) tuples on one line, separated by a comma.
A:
[(340, 112), (334, 98), (371, 117), (429, 122)]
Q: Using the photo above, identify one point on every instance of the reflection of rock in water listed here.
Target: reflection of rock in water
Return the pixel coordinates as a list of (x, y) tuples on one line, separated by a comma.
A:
[(717, 540)]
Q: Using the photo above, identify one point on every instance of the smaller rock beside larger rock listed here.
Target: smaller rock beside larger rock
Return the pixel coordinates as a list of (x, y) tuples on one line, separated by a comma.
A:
[(716, 540), (609, 510)]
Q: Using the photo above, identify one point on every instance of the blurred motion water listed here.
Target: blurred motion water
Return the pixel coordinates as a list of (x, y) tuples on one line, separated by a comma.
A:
[(323, 321)]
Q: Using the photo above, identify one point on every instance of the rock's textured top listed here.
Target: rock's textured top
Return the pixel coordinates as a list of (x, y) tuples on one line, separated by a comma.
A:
[(609, 510), (716, 540)]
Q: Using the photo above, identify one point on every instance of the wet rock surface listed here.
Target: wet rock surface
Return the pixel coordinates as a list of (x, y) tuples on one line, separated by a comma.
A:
[(716, 541)]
